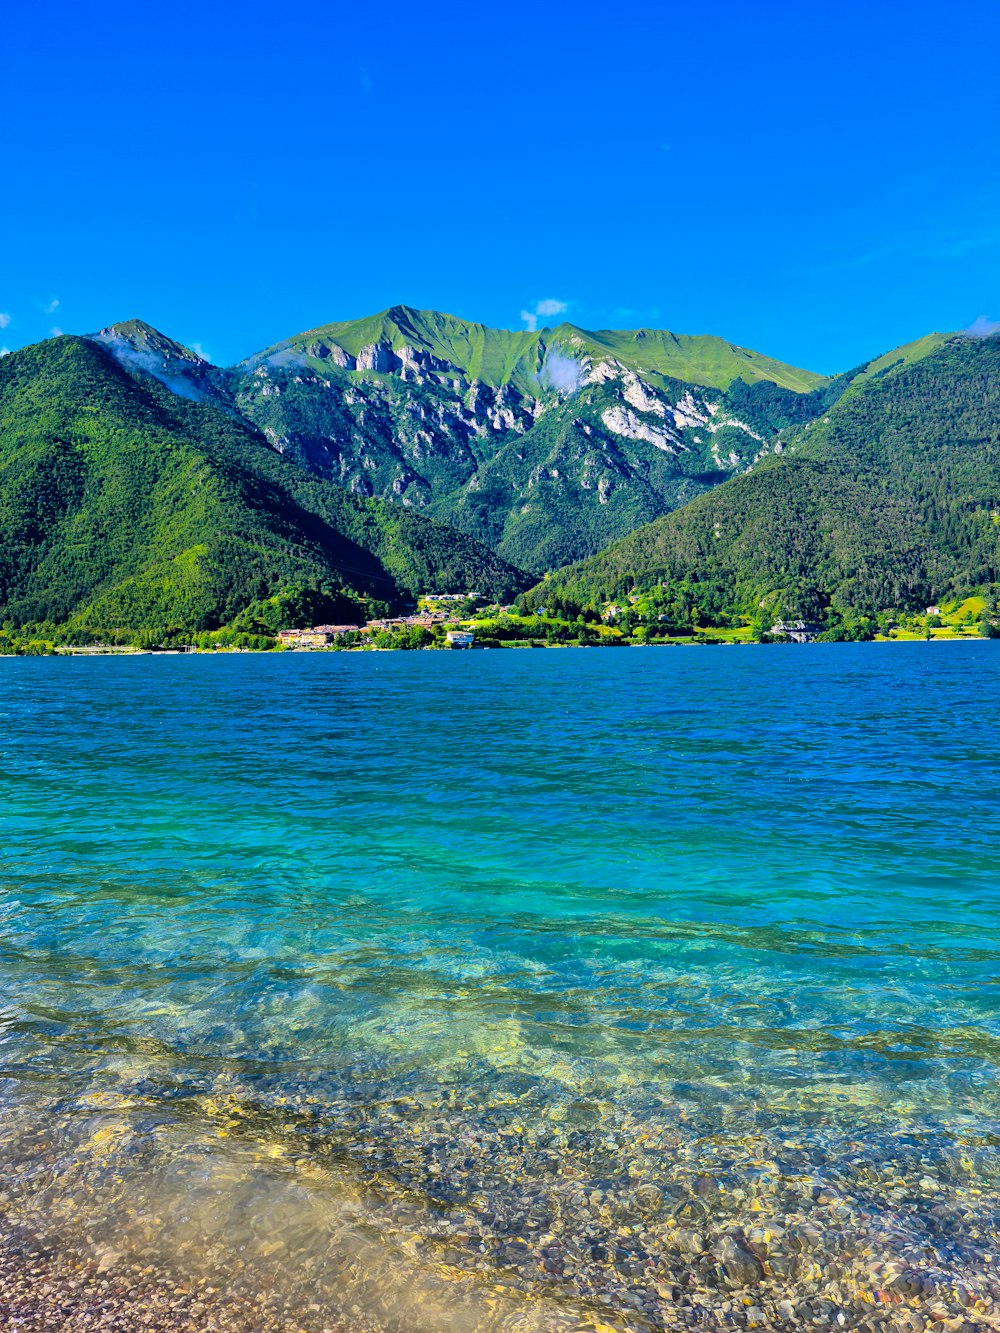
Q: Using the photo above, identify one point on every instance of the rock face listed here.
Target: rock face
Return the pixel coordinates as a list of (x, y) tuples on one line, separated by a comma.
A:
[(546, 466), (378, 356), (321, 351), (546, 445), (622, 421)]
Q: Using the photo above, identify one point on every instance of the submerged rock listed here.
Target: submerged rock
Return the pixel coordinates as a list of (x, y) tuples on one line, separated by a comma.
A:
[(742, 1267)]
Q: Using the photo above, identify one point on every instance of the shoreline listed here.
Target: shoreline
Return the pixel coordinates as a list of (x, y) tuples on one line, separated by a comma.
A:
[(112, 650), (602, 1222)]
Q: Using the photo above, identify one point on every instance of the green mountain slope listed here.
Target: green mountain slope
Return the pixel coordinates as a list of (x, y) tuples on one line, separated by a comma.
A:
[(367, 461), (504, 356), (694, 359), (129, 498), (890, 499), (544, 445)]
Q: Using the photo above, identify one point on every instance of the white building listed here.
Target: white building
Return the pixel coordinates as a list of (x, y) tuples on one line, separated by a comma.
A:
[(799, 631)]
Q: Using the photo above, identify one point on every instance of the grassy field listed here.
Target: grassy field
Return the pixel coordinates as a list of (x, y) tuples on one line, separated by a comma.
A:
[(954, 620), (958, 620)]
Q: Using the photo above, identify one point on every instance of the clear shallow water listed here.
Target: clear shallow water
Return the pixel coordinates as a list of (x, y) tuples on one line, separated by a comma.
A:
[(505, 990)]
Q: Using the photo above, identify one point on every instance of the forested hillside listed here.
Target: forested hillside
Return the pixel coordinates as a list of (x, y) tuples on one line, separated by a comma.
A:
[(125, 504), (545, 446), (891, 499), (348, 469)]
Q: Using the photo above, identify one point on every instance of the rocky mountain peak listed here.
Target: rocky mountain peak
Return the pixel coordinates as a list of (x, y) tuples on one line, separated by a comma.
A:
[(144, 339), (136, 345)]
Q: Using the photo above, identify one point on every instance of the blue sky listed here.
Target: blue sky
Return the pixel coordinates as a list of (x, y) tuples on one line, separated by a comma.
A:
[(820, 183)]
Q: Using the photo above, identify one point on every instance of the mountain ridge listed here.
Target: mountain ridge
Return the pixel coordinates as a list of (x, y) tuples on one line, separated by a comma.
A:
[(140, 483), (496, 356), (545, 445)]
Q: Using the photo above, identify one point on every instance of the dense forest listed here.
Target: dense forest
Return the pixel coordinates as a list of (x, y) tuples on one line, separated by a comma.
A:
[(890, 499), (126, 507)]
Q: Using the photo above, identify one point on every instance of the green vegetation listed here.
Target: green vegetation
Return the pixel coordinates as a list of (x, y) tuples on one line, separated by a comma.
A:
[(694, 359), (511, 356), (149, 499), (888, 501), (568, 485), (545, 445), (563, 484), (125, 508), (962, 618)]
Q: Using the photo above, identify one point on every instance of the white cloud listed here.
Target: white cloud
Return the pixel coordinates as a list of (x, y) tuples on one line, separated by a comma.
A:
[(542, 309), (55, 331), (4, 319), (562, 373), (4, 351), (983, 327), (52, 306), (200, 351)]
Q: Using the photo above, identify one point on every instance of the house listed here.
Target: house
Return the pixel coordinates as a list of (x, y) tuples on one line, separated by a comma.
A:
[(799, 631), (933, 611), (304, 638), (460, 638), (373, 626), (611, 612)]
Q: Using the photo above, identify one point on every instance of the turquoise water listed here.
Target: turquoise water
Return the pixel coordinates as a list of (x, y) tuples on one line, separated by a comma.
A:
[(497, 990)]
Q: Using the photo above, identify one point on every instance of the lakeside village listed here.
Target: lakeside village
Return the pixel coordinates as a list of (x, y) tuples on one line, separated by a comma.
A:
[(463, 620), (460, 621)]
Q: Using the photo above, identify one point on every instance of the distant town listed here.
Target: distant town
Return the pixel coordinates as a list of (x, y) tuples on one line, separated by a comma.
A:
[(461, 620), (434, 617)]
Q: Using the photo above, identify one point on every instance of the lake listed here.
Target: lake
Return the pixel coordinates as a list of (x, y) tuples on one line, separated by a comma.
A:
[(522, 990)]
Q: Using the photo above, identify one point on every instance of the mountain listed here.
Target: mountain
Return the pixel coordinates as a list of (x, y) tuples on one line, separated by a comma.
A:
[(429, 341), (545, 445), (366, 461), (132, 495), (890, 498)]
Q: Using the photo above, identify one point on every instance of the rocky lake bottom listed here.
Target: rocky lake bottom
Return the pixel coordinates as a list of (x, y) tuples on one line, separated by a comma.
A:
[(496, 992)]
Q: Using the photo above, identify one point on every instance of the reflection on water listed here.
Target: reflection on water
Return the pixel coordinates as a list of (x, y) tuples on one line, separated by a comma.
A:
[(574, 991)]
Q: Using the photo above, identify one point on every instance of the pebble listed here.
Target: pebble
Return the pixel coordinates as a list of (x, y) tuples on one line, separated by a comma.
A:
[(742, 1268), (613, 1218)]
